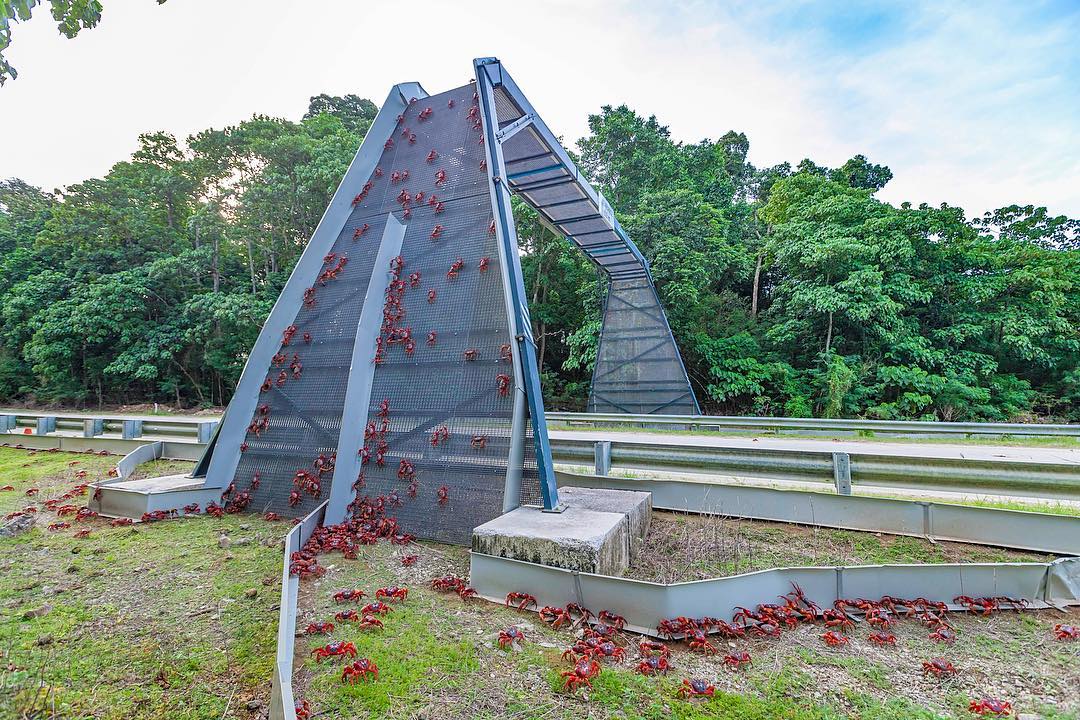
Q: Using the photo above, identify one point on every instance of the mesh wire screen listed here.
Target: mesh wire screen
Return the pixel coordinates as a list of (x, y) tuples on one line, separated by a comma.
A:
[(638, 370), (448, 420)]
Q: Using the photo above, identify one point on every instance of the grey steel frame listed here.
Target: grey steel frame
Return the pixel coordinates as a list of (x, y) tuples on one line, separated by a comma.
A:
[(636, 266), (218, 464)]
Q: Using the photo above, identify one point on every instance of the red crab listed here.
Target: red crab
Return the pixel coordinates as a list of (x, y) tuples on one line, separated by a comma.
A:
[(583, 671), (478, 442), (32, 492), (376, 608), (443, 493), (652, 664), (348, 596), (609, 650), (882, 638), (978, 606), (736, 660), (334, 649), (303, 710), (360, 670), (939, 667), (990, 706), (485, 263), (120, 522), (294, 498), (616, 621), (471, 354), (192, 509), (368, 622), (84, 533), (1066, 632), (446, 583), (520, 600), (271, 517), (943, 634), (698, 641), (509, 636), (502, 384), (455, 268), (696, 688), (59, 526), (392, 593), (432, 155), (650, 647), (8, 488), (555, 617), (431, 294), (465, 592), (347, 616), (834, 640), (436, 232), (440, 177), (319, 628), (409, 560)]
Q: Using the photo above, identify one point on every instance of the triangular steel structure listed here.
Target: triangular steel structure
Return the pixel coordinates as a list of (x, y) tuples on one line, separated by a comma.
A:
[(398, 362)]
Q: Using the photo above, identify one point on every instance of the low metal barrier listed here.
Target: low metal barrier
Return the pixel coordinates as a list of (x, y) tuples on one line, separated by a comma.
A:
[(776, 426), (282, 702), (644, 604)]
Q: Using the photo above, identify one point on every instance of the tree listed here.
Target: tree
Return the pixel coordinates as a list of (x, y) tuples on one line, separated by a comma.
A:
[(71, 16)]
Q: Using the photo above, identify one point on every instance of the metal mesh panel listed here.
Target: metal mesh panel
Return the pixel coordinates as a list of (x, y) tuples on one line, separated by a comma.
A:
[(433, 387), (638, 369)]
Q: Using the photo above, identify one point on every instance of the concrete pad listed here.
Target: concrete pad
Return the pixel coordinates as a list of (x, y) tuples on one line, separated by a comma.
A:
[(599, 532), (636, 506)]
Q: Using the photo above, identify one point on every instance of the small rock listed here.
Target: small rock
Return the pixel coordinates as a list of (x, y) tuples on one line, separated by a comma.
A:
[(76, 550), (245, 527), (1028, 716), (253, 705), (251, 592), (37, 612), (224, 542), (242, 541), (72, 569), (229, 556), (44, 640), (269, 580)]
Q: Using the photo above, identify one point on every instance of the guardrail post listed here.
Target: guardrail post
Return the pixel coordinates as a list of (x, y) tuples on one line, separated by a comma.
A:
[(602, 457), (132, 429), (205, 430), (7, 422), (92, 427), (842, 472), (46, 425)]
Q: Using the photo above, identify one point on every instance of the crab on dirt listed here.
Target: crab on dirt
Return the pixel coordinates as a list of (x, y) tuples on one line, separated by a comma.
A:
[(447, 583), (582, 673), (520, 600), (834, 640), (609, 650), (509, 636), (409, 560), (376, 608), (334, 649), (990, 706), (699, 641), (360, 670), (696, 688), (939, 667), (392, 593), (554, 616), (319, 628), (652, 664), (882, 638), (347, 616), (303, 710), (649, 648), (736, 660), (943, 634), (348, 596), (1066, 632)]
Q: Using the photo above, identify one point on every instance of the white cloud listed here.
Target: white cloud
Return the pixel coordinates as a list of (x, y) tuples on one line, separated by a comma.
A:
[(977, 107)]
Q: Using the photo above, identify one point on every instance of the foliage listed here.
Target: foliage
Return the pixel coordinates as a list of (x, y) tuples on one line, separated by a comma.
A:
[(791, 290), (71, 16)]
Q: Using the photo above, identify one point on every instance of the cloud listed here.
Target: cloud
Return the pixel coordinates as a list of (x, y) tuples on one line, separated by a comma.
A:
[(976, 105)]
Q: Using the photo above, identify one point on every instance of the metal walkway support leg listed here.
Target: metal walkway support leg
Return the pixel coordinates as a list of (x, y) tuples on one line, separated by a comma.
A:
[(525, 355)]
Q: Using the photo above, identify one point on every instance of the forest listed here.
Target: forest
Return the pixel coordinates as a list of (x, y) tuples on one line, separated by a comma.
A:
[(791, 290)]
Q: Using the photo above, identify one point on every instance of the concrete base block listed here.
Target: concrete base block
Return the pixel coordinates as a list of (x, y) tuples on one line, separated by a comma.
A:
[(597, 533)]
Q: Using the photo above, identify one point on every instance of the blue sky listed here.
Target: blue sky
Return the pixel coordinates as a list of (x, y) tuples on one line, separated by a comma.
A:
[(974, 104)]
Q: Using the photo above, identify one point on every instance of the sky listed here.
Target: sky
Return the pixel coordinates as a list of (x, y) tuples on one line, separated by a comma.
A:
[(976, 105)]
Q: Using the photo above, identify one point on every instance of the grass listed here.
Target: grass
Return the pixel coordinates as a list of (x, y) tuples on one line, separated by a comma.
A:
[(685, 546), (147, 621), (155, 621)]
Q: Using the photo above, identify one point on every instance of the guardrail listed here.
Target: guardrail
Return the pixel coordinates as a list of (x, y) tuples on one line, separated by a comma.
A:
[(776, 426), (125, 427), (282, 702), (181, 440), (1010, 477)]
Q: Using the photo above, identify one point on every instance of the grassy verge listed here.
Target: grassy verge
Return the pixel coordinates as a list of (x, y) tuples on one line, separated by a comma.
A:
[(148, 621)]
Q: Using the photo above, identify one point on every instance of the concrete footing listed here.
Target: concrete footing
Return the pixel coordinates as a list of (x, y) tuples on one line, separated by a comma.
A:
[(600, 531)]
